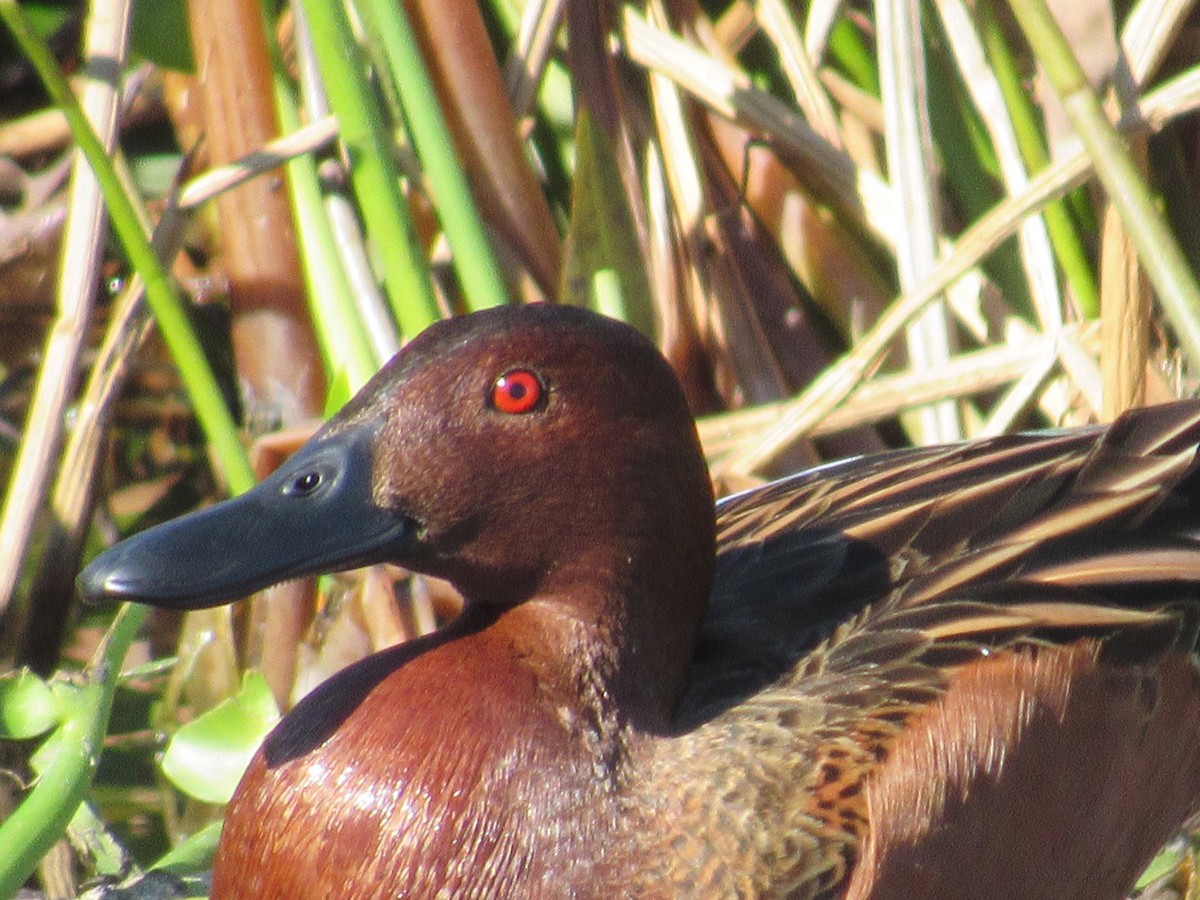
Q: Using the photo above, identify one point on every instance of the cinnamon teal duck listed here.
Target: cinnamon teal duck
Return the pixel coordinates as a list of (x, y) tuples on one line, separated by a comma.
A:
[(963, 671)]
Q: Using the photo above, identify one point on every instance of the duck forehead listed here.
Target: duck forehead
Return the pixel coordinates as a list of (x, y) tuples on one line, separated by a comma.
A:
[(420, 380)]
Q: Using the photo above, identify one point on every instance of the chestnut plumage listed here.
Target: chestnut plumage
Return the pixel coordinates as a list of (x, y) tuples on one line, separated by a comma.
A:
[(964, 671)]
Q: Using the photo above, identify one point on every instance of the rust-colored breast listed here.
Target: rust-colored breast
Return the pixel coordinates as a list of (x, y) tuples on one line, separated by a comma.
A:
[(455, 780)]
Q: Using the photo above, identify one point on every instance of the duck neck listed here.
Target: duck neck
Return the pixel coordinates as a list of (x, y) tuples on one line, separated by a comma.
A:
[(611, 633), (609, 614)]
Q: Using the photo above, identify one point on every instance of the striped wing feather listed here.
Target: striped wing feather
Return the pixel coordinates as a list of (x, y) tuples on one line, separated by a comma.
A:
[(955, 655)]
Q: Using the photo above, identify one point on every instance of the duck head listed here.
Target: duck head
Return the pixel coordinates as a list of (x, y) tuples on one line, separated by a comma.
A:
[(516, 452)]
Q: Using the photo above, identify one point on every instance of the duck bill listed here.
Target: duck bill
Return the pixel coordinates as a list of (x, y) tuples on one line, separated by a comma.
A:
[(314, 514)]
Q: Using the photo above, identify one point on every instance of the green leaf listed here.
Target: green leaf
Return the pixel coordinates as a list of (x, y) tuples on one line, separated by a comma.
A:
[(156, 173), (1167, 861), (603, 268), (195, 855), (207, 757), (92, 840), (47, 752), (48, 18), (149, 669), (159, 32), (28, 706), (339, 391)]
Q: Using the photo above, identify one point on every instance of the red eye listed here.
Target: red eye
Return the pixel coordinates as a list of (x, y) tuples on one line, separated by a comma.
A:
[(517, 391)]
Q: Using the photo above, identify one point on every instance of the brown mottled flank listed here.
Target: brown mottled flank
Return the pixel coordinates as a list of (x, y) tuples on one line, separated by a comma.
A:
[(948, 672)]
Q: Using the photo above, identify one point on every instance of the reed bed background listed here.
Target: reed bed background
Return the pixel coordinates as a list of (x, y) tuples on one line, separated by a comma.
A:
[(848, 225)]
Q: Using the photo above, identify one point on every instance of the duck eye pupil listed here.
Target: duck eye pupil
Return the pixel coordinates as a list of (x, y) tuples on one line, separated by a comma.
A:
[(306, 483)]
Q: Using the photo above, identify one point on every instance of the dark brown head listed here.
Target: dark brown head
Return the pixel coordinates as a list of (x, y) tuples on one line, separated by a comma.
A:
[(517, 451)]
